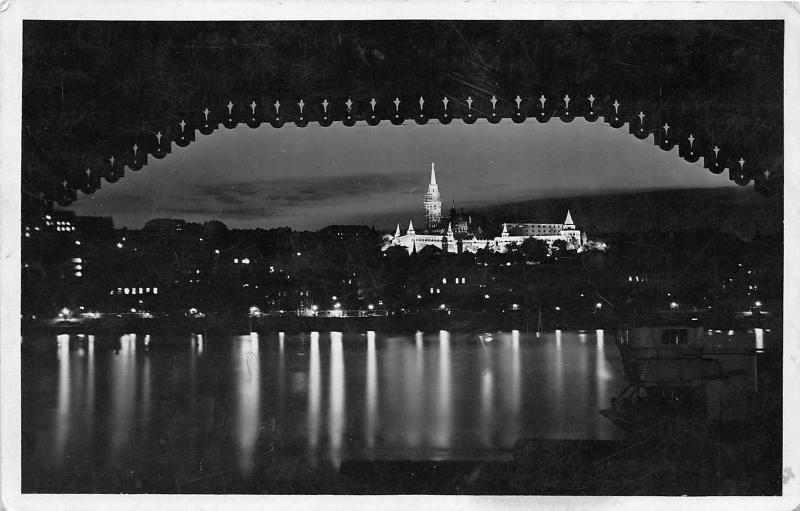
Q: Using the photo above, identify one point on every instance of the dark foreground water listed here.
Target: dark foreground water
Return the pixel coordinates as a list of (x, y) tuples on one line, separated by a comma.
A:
[(278, 412)]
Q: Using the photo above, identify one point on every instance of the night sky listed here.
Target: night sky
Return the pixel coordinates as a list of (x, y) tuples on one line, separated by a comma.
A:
[(307, 178)]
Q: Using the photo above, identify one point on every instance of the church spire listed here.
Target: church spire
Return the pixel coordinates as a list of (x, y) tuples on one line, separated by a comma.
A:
[(449, 229), (397, 232), (433, 173), (568, 221), (410, 227)]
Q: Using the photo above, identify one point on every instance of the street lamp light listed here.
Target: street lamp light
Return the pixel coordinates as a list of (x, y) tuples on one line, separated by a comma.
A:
[(673, 305)]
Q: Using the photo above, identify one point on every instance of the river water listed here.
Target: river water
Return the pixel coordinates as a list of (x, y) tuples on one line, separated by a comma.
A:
[(144, 414)]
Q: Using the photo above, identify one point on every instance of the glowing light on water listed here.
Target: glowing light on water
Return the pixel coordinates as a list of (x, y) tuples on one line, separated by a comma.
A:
[(371, 391), (336, 406), (444, 409), (313, 392), (512, 393), (147, 340), (281, 338), (558, 339), (123, 391), (62, 419), (248, 405), (601, 370), (759, 338), (487, 384)]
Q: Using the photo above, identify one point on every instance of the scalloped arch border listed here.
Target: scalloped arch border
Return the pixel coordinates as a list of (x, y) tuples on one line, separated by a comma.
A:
[(693, 142)]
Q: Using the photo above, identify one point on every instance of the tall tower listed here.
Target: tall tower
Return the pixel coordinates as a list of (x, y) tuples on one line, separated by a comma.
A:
[(433, 203)]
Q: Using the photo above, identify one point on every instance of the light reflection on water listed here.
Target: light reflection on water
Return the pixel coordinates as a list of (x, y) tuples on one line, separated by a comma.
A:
[(369, 395), (248, 387)]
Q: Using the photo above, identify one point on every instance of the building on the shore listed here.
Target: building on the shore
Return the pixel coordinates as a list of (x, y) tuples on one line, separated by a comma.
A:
[(458, 234)]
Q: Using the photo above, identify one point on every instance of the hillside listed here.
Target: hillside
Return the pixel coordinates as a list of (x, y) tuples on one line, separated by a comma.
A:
[(737, 210)]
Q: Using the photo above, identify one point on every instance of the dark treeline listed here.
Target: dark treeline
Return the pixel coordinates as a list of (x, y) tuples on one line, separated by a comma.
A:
[(171, 266)]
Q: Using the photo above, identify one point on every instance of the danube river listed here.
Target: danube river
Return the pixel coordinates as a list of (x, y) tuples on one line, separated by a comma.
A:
[(258, 413)]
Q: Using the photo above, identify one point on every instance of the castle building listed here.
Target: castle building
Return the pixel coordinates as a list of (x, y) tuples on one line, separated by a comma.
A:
[(463, 239), (433, 203)]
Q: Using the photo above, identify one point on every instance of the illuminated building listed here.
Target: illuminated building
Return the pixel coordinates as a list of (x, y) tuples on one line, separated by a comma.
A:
[(433, 203), (459, 235)]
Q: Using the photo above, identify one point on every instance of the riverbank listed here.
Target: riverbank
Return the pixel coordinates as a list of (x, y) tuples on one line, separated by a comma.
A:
[(424, 321)]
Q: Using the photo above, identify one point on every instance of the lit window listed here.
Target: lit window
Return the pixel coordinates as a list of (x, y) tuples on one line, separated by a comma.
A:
[(155, 290), (127, 291), (431, 290), (236, 261), (133, 290), (147, 290), (444, 280), (78, 274)]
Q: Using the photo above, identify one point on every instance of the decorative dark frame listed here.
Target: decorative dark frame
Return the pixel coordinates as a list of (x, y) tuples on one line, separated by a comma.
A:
[(100, 98)]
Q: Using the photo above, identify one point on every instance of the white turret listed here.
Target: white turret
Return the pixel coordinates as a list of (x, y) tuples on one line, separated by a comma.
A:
[(397, 232), (433, 203), (410, 228), (568, 223), (505, 231)]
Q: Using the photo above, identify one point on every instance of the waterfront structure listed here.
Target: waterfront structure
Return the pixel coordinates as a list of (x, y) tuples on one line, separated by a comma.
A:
[(464, 238)]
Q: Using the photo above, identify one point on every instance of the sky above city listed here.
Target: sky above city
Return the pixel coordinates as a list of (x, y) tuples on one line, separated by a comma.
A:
[(308, 178)]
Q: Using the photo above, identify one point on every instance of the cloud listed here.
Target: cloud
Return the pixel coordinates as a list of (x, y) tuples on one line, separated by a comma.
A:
[(282, 193)]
